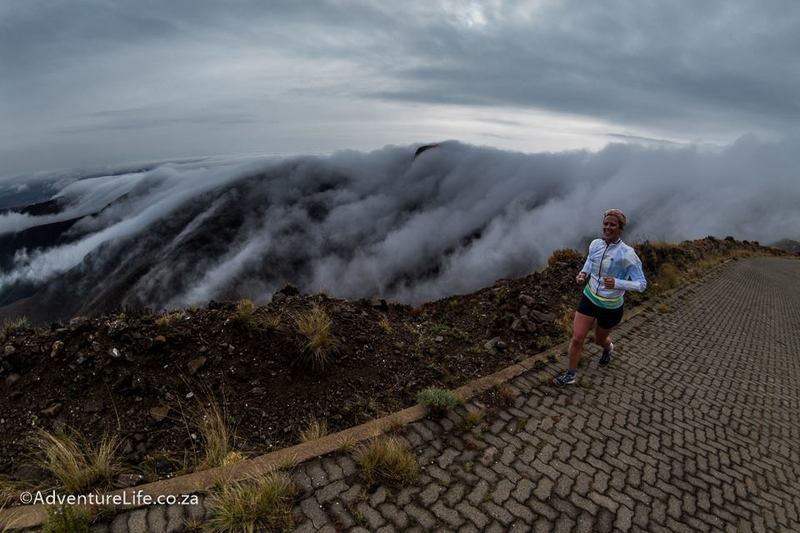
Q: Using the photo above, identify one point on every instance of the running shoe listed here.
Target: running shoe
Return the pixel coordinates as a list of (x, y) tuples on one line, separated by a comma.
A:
[(606, 357), (565, 378)]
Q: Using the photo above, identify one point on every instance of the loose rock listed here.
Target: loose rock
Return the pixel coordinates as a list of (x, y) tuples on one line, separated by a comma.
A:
[(159, 413), (196, 364)]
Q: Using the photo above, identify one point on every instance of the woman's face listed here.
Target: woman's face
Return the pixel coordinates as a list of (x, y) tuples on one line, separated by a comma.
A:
[(611, 229)]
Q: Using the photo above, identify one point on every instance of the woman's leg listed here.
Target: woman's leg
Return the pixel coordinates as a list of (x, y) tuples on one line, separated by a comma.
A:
[(601, 337), (580, 327)]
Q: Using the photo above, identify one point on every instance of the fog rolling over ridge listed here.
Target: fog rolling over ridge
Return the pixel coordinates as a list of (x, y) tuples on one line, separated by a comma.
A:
[(383, 223)]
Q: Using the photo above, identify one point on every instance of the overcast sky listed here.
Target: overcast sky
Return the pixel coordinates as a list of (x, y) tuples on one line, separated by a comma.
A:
[(95, 82)]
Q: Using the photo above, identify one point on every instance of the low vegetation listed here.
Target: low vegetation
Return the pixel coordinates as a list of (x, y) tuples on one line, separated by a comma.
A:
[(564, 255), (169, 319), (10, 326), (450, 331), (438, 401), (263, 503), (564, 321), (245, 314), (387, 460), (67, 519), (472, 419), (78, 465), (668, 278), (504, 396), (9, 492), (314, 430), (385, 325), (216, 436), (315, 327)]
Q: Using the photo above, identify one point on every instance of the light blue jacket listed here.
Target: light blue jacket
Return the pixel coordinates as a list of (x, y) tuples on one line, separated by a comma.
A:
[(619, 261)]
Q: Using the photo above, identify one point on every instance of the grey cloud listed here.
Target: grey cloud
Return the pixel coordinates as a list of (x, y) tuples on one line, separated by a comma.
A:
[(383, 223)]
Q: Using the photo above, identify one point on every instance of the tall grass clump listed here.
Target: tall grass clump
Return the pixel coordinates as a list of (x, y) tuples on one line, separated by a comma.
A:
[(388, 460), (245, 313), (314, 430), (216, 436), (77, 464), (315, 327), (168, 319), (264, 503)]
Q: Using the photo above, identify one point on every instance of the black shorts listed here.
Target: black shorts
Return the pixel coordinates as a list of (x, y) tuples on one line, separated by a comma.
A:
[(606, 318)]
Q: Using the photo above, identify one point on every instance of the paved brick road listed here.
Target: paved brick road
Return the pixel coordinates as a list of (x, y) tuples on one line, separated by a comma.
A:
[(694, 427)]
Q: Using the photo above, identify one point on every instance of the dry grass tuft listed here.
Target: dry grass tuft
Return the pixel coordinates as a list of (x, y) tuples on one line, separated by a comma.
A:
[(388, 460), (245, 313), (347, 444), (232, 458), (314, 430), (9, 492), (6, 526), (78, 465), (264, 503), (472, 419), (385, 325), (564, 321), (271, 322), (216, 436), (504, 396), (168, 319), (315, 327), (289, 463), (564, 255), (668, 278)]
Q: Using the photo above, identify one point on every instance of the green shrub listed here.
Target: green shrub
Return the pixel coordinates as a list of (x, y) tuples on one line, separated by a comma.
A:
[(66, 520), (438, 401)]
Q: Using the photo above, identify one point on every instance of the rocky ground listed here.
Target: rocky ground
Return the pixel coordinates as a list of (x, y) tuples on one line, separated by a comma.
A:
[(145, 377)]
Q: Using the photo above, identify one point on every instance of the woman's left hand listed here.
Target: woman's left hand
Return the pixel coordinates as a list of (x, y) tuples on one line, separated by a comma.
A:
[(609, 282)]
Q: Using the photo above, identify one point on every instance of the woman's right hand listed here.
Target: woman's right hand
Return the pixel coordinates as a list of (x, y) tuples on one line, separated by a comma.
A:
[(580, 279)]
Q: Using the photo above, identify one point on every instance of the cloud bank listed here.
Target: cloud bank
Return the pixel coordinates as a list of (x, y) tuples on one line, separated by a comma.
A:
[(383, 223)]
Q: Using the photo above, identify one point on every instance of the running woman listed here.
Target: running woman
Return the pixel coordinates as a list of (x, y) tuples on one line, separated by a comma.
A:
[(611, 269)]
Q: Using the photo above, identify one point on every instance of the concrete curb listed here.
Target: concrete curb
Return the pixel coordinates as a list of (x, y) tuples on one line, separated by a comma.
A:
[(31, 516)]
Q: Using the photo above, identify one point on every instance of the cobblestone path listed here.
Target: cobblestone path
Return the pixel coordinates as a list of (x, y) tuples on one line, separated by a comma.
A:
[(695, 426)]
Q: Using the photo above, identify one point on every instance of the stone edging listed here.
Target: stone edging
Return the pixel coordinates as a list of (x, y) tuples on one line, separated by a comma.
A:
[(30, 516)]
